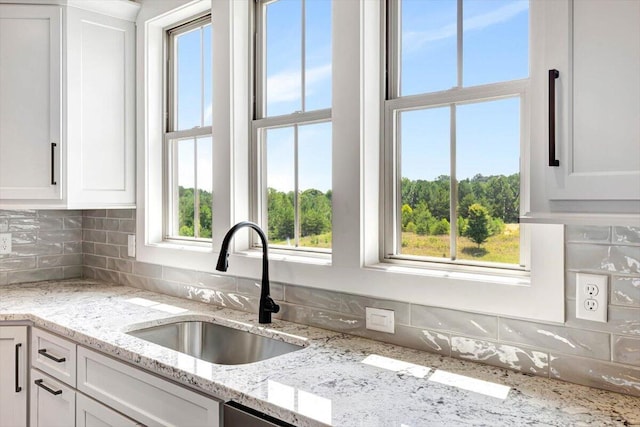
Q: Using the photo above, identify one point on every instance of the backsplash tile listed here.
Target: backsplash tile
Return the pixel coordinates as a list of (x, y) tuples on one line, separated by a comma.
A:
[(441, 319), (625, 290), (588, 233), (626, 350), (556, 338), (611, 258), (603, 355), (46, 245), (630, 235), (595, 373), (502, 355), (314, 298)]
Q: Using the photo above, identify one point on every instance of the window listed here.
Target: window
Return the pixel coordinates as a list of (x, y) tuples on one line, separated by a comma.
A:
[(188, 142), (458, 77), (316, 125), (292, 126)]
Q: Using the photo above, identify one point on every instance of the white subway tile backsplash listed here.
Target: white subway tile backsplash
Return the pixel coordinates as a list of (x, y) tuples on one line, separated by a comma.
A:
[(627, 235), (502, 355), (626, 350), (441, 319), (559, 339), (602, 355), (595, 373), (588, 233), (625, 290)]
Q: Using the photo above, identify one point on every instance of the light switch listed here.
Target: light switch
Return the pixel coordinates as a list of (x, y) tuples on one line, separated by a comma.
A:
[(131, 245), (380, 320)]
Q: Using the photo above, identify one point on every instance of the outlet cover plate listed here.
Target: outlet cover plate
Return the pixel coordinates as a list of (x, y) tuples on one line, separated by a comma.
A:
[(591, 297), (380, 320), (5, 243)]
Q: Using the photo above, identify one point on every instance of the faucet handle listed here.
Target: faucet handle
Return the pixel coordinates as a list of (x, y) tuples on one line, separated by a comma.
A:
[(270, 305)]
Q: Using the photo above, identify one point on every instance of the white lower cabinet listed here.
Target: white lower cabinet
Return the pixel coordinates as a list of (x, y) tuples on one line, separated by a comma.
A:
[(13, 376), (90, 413), (142, 396), (53, 403), (74, 386)]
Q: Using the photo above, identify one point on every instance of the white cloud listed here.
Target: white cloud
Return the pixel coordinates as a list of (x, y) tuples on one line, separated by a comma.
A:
[(285, 86), (416, 39), (208, 113)]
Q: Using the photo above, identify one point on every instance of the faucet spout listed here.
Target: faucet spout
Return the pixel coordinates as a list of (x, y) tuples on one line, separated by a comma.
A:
[(267, 304)]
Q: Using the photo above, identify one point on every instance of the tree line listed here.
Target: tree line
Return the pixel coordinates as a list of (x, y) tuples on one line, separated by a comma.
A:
[(186, 208), (486, 202), (485, 205)]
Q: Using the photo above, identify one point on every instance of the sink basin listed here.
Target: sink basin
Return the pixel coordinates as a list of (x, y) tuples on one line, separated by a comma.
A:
[(215, 343)]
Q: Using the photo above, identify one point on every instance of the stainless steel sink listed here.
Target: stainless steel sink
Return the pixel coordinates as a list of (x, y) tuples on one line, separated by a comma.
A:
[(215, 343)]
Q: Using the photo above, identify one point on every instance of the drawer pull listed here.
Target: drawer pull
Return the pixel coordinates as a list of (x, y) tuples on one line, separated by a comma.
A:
[(40, 383), (43, 351), (18, 388)]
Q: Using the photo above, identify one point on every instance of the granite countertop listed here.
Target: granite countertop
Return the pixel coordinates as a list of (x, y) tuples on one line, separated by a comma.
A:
[(337, 379)]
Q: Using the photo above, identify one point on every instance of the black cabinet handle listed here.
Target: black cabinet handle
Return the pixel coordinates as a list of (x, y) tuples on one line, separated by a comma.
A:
[(43, 351), (39, 383), (18, 388), (553, 75), (53, 155)]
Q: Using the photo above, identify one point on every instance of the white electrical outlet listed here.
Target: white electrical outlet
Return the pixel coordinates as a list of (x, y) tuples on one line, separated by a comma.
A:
[(5, 243), (381, 320), (591, 297)]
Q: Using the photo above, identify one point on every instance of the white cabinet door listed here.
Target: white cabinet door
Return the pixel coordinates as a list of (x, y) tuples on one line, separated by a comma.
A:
[(67, 119), (30, 102), (142, 396), (52, 403), (90, 413), (100, 110), (13, 376), (595, 46)]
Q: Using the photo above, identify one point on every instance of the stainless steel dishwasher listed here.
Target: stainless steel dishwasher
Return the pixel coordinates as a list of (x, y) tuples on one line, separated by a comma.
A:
[(236, 415)]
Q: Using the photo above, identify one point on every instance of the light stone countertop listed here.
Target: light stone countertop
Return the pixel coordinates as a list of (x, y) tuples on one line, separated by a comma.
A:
[(337, 379)]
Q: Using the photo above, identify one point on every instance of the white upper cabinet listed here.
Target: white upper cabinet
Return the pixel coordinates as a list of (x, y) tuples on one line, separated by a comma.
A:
[(595, 47), (72, 85), (30, 102), (100, 110)]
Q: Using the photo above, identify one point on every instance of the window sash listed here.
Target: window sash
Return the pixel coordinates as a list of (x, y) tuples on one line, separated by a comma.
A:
[(172, 135), (392, 171), (262, 123), (259, 170), (458, 95), (172, 69), (171, 219)]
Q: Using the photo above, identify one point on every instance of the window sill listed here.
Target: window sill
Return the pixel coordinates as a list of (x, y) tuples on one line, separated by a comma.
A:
[(288, 256), (186, 246), (489, 275)]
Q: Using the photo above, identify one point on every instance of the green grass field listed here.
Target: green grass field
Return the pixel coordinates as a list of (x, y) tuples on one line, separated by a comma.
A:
[(502, 248)]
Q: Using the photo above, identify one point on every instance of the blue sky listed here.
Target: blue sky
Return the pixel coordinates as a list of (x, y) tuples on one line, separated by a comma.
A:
[(495, 48)]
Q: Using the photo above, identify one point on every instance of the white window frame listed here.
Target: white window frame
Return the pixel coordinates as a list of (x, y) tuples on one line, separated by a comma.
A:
[(262, 123), (231, 37), (459, 95), (357, 173), (173, 135)]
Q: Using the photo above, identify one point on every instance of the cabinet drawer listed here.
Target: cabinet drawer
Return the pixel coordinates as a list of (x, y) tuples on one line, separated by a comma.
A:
[(54, 355), (52, 403), (142, 396), (90, 413)]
